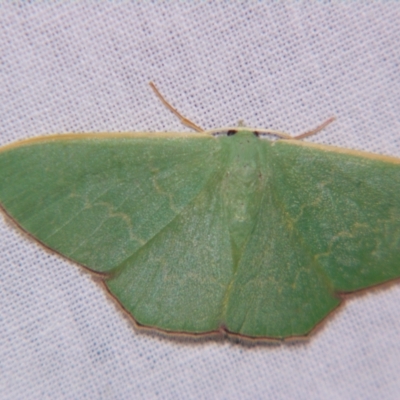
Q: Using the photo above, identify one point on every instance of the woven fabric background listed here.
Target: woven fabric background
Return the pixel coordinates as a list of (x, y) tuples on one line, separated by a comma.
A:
[(85, 67)]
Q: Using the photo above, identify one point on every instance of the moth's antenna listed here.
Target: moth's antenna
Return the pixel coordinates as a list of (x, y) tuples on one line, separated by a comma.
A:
[(316, 130), (184, 120)]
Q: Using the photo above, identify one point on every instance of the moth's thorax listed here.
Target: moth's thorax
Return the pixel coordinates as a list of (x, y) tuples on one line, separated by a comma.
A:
[(242, 185), (243, 150)]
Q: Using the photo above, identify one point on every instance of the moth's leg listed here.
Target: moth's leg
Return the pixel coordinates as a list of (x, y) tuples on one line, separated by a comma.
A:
[(184, 120)]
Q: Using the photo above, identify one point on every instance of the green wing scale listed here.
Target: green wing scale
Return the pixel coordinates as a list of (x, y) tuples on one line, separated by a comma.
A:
[(198, 234)]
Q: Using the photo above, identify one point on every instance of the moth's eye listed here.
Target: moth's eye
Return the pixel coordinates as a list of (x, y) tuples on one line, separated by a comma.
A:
[(225, 133)]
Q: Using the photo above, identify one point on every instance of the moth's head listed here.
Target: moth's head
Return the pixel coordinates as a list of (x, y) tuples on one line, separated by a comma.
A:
[(236, 133), (244, 132)]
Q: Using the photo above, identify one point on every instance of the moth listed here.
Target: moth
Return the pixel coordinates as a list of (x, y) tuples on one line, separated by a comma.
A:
[(220, 231)]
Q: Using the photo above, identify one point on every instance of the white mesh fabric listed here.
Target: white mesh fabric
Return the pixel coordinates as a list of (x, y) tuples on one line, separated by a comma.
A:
[(85, 67)]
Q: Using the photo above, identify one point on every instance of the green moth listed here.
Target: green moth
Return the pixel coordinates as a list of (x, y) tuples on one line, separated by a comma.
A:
[(203, 233)]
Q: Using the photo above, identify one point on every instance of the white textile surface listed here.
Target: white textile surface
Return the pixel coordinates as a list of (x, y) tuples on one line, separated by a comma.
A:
[(85, 67)]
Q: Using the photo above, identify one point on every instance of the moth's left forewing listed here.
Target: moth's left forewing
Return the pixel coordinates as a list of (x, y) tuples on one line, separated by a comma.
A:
[(330, 224)]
